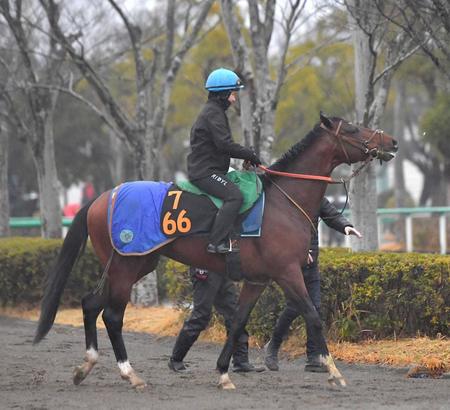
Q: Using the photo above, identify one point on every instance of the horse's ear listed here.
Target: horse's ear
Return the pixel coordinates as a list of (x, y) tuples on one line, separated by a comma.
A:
[(325, 120)]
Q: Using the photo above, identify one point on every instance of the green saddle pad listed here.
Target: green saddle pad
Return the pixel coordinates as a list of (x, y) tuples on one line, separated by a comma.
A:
[(247, 181)]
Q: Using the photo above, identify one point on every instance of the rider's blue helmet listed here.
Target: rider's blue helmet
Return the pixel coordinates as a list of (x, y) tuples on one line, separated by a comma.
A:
[(223, 80)]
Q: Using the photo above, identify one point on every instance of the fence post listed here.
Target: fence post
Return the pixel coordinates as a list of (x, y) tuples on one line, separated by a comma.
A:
[(409, 233), (443, 233), (379, 229)]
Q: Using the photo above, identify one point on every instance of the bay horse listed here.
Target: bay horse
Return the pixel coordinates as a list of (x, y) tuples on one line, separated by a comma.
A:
[(277, 254)]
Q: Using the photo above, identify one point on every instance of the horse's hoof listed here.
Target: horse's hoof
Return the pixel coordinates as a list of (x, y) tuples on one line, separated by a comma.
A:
[(78, 375), (136, 382), (140, 387), (337, 381), (225, 383)]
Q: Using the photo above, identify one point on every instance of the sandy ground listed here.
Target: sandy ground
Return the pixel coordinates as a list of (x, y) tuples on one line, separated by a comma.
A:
[(39, 377), (418, 353)]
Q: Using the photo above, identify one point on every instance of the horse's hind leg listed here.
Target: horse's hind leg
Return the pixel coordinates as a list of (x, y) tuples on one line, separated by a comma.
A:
[(92, 306), (294, 288), (124, 272)]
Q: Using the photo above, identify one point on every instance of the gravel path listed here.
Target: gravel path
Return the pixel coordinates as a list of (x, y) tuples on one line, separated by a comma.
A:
[(39, 377)]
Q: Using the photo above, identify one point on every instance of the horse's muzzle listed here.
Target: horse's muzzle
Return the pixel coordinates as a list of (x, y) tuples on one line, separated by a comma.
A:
[(386, 155)]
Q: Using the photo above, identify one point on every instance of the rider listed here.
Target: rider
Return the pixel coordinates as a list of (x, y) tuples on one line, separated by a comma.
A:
[(335, 220), (212, 147)]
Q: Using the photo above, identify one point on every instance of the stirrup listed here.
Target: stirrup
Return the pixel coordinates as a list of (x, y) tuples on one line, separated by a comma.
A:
[(224, 247)]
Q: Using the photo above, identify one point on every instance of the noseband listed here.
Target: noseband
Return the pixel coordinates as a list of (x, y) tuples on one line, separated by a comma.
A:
[(361, 145)]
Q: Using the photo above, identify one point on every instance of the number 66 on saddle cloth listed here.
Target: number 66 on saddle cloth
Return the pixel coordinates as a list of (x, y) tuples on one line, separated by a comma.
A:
[(145, 215)]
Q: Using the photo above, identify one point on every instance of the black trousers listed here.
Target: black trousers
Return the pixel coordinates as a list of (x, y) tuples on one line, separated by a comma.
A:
[(218, 291), (311, 276), (221, 187)]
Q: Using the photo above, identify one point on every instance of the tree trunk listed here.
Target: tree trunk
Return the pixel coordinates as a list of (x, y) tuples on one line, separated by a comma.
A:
[(242, 63), (48, 183), (145, 292), (399, 129), (363, 194), (117, 163), (4, 196)]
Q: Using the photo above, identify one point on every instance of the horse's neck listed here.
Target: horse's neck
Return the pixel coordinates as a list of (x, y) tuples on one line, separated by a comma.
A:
[(316, 160)]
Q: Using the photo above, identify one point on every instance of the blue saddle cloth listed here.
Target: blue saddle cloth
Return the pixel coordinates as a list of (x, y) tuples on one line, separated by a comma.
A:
[(134, 217), (134, 211)]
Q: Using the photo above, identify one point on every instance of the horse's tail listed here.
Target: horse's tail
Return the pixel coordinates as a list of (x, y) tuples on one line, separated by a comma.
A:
[(72, 248)]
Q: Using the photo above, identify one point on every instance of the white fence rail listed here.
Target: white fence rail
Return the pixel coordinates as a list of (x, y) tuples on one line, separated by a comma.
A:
[(386, 216)]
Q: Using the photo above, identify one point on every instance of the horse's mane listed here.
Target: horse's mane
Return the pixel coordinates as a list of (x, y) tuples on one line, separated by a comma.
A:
[(295, 150)]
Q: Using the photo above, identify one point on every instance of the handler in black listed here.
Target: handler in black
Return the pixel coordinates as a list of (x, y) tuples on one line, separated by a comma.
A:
[(212, 147), (211, 289), (311, 275)]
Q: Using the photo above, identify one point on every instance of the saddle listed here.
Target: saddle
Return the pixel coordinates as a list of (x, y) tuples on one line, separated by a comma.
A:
[(144, 215)]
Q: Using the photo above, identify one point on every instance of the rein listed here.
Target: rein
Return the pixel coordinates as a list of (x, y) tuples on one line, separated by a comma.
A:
[(329, 180)]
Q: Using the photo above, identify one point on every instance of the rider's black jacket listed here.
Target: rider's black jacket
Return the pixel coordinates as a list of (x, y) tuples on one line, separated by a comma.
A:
[(212, 145), (332, 217)]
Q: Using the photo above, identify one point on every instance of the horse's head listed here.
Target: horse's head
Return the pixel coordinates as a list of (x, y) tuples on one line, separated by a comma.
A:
[(359, 143)]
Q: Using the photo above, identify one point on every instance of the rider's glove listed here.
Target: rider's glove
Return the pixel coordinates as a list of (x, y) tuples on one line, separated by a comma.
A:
[(254, 160)]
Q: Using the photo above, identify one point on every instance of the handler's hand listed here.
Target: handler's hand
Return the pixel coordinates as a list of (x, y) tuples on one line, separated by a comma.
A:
[(352, 231)]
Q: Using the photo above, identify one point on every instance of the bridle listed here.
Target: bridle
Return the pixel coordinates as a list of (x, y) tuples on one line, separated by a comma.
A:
[(361, 145)]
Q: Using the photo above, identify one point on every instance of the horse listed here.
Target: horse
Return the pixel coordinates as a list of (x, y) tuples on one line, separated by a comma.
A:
[(277, 255)]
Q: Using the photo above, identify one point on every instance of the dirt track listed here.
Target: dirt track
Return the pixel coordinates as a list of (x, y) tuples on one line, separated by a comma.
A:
[(39, 377)]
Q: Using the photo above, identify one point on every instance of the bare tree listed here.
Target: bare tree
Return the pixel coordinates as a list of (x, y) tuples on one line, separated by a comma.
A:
[(427, 23), (4, 196), (399, 129), (4, 145), (143, 130), (371, 36), (35, 119), (254, 63)]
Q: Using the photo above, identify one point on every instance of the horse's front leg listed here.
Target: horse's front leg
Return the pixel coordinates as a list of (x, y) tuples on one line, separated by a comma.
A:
[(247, 300), (294, 288)]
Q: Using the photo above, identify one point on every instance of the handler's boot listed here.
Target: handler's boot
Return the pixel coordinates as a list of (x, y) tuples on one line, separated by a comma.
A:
[(246, 367), (178, 367), (314, 365), (271, 358)]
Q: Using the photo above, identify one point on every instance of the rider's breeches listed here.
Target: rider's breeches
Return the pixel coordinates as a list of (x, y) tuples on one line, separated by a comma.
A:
[(220, 186)]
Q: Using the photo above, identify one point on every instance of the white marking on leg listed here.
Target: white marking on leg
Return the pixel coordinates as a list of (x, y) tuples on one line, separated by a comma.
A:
[(128, 373), (335, 374), (90, 360), (92, 355), (225, 382), (125, 368)]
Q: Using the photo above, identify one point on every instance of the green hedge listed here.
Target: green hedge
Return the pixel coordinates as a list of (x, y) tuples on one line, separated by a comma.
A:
[(24, 263), (363, 294)]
